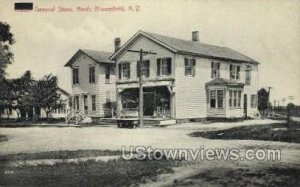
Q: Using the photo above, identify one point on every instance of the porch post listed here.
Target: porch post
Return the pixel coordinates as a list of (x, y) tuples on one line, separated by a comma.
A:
[(119, 104), (172, 104)]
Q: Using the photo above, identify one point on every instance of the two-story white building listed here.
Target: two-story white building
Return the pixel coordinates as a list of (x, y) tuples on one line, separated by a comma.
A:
[(185, 79), (93, 83)]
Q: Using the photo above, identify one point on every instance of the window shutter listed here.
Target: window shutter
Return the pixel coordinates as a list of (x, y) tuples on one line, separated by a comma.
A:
[(186, 62), (194, 66), (169, 61), (120, 70), (158, 66), (138, 69), (129, 70)]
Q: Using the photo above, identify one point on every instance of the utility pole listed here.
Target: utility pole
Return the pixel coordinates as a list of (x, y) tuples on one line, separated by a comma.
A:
[(269, 89), (141, 92), (283, 100)]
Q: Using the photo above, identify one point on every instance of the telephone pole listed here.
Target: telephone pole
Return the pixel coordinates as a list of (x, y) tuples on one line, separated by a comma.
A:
[(141, 93)]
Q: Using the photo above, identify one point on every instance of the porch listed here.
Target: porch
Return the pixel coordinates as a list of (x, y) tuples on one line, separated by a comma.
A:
[(158, 100), (226, 99)]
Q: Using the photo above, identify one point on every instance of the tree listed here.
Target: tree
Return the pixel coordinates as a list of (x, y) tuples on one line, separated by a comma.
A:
[(44, 94), (6, 40), (263, 99)]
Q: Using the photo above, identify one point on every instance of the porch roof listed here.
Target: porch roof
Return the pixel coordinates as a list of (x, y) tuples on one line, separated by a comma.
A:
[(224, 82), (121, 87)]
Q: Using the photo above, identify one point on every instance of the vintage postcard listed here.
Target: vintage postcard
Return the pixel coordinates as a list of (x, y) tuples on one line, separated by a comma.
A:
[(149, 93)]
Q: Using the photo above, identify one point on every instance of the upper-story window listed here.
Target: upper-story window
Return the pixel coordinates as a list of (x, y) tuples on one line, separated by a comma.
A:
[(248, 75), (190, 64), (164, 66), (75, 76), (124, 70), (107, 73), (92, 74), (145, 69), (215, 70), (235, 71)]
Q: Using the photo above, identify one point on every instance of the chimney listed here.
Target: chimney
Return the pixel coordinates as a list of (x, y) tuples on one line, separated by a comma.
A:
[(195, 36), (117, 44)]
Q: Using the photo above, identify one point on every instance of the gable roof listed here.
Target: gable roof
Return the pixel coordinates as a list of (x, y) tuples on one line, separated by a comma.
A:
[(97, 56), (222, 82), (188, 47), (63, 91)]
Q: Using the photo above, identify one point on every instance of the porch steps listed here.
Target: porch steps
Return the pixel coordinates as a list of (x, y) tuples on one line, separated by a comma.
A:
[(147, 121)]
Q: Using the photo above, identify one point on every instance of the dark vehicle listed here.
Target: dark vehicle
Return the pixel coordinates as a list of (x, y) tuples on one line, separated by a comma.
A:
[(128, 122)]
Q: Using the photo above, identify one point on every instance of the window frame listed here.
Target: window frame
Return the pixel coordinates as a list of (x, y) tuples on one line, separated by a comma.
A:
[(107, 73), (217, 90), (248, 71), (75, 79), (122, 70), (189, 67), (144, 69), (164, 66), (234, 72), (215, 69), (93, 98), (235, 98), (92, 74)]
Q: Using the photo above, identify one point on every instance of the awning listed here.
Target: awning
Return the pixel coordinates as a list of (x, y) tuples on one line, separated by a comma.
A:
[(168, 84), (224, 82)]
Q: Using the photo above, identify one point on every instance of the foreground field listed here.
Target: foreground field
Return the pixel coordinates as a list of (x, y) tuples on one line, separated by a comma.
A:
[(35, 156)]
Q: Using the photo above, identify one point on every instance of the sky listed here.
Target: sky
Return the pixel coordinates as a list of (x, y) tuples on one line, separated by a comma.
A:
[(265, 30)]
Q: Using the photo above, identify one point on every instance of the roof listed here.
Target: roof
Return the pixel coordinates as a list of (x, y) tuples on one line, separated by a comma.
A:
[(190, 47), (63, 91), (97, 56), (223, 82)]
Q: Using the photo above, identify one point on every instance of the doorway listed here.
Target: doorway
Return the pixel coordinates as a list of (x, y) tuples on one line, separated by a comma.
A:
[(85, 104), (149, 103)]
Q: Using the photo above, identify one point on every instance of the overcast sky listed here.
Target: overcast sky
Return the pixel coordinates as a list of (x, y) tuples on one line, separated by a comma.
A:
[(267, 31)]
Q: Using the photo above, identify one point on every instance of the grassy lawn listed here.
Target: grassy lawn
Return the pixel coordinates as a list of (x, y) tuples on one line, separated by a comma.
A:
[(89, 173), (273, 132), (279, 176)]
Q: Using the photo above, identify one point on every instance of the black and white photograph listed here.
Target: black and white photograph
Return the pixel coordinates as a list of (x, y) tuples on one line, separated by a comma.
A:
[(150, 93)]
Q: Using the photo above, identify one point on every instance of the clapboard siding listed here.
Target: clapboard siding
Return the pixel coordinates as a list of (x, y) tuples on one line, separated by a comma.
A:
[(190, 90), (105, 87), (98, 88)]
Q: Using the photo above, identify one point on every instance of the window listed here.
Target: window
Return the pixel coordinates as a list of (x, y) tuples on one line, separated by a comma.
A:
[(215, 70), (76, 102), (75, 76), (189, 66), (253, 101), (248, 75), (145, 68), (92, 74), (107, 73), (235, 98), (164, 66), (216, 98), (234, 72), (93, 102), (124, 70)]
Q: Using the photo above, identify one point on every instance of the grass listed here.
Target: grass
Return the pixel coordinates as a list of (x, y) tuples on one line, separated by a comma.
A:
[(272, 176), (90, 173), (257, 132)]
